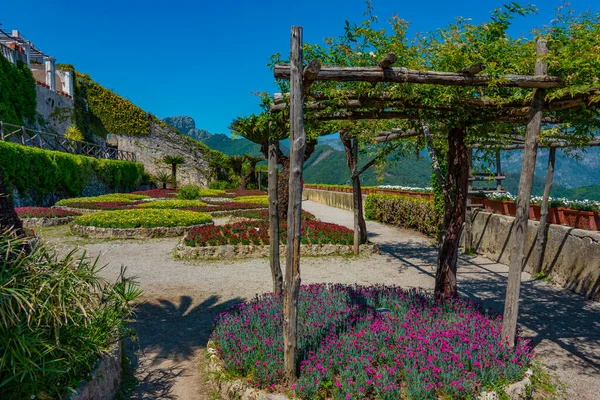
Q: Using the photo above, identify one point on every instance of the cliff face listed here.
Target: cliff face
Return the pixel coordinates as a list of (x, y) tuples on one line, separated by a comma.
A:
[(162, 141), (187, 126)]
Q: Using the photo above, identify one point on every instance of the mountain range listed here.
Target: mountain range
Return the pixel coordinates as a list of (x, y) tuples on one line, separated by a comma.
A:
[(576, 173)]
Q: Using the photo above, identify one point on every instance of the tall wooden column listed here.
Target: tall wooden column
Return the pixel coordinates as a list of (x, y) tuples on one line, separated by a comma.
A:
[(292, 265), (468, 235), (542, 234), (274, 217), (513, 288)]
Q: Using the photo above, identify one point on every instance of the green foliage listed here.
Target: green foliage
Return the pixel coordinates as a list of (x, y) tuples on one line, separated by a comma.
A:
[(144, 218), (17, 93), (74, 133), (40, 172), (252, 199), (57, 318), (100, 111), (222, 185), (164, 179), (172, 204), (405, 212), (112, 197), (194, 192), (174, 160)]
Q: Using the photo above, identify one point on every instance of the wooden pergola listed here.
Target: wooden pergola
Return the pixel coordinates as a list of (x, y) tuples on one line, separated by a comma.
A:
[(386, 106)]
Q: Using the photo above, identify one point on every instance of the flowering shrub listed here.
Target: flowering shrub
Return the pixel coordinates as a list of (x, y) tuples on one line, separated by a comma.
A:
[(227, 206), (158, 193), (403, 211), (581, 205), (264, 200), (43, 212), (257, 233), (372, 342), (264, 215), (406, 188), (137, 218), (172, 204), (194, 192), (104, 205), (113, 197)]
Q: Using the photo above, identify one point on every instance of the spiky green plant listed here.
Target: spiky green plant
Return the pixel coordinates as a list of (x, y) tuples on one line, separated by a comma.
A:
[(174, 161), (164, 179), (57, 318)]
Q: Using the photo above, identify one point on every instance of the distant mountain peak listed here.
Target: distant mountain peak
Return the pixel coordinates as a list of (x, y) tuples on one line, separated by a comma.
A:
[(187, 126)]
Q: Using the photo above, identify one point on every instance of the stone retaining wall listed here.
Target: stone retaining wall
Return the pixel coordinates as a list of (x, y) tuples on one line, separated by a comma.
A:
[(571, 259), (79, 210), (104, 381), (333, 199), (31, 222), (248, 251), (131, 233)]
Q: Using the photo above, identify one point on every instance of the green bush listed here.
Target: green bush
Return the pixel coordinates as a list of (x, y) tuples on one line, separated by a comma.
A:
[(17, 93), (405, 212), (222, 185), (40, 172), (105, 198), (194, 192), (253, 200), (57, 318), (172, 204), (143, 218)]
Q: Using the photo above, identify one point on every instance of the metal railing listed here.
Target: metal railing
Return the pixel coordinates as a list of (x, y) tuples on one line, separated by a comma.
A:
[(50, 141)]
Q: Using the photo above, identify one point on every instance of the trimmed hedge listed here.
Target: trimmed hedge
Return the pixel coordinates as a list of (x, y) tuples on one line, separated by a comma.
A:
[(111, 197), (138, 218), (405, 212), (40, 172), (194, 192), (264, 200)]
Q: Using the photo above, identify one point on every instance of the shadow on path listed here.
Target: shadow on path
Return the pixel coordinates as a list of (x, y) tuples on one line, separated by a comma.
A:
[(170, 332)]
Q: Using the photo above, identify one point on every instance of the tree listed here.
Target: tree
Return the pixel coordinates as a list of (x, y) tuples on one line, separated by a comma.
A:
[(250, 170), (174, 161), (164, 179)]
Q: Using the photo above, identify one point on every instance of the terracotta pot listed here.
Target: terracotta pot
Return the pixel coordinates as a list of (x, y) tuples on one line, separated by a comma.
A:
[(510, 208), (587, 220), (535, 212), (493, 206)]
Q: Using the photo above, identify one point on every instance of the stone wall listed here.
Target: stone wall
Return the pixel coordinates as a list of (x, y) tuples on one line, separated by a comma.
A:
[(332, 199), (162, 141), (104, 382), (56, 109), (571, 259)]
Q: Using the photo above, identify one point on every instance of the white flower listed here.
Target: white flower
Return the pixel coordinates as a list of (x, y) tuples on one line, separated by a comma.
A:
[(372, 54)]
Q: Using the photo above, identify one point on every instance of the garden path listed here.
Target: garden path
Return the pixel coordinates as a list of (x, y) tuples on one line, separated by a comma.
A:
[(182, 298)]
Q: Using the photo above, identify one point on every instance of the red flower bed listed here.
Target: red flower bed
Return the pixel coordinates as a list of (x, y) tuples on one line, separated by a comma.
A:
[(264, 214), (239, 192), (43, 212), (158, 193), (104, 205), (257, 233), (225, 207)]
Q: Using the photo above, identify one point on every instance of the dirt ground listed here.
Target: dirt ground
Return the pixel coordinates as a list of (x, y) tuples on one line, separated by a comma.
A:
[(181, 299)]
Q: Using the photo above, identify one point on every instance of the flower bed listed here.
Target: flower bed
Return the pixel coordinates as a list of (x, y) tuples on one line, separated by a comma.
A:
[(257, 233), (158, 193), (104, 205), (242, 192), (138, 218), (371, 342), (43, 212), (194, 192), (106, 198), (171, 204), (224, 207), (264, 200)]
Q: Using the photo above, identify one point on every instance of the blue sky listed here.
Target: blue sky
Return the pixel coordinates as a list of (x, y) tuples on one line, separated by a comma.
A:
[(206, 58)]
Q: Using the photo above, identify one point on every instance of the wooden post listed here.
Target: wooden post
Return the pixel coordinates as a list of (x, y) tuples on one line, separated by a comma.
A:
[(292, 266), (2, 129), (469, 209), (274, 218), (542, 234), (23, 132), (498, 171), (519, 241), (356, 195)]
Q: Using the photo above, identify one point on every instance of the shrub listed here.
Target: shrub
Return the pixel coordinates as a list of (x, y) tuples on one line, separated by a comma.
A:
[(103, 205), (43, 212), (233, 207), (57, 318), (372, 342), (257, 232), (74, 133), (137, 218), (253, 199), (40, 172), (17, 93), (222, 185), (165, 204), (125, 198), (405, 212), (194, 192), (158, 193)]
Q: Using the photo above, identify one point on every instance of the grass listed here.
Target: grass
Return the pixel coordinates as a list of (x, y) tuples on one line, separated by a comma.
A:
[(545, 384)]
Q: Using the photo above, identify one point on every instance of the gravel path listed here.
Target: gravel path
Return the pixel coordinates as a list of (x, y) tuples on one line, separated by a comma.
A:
[(182, 298)]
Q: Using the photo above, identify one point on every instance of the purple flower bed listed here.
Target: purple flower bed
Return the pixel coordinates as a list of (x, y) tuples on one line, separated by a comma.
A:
[(372, 342)]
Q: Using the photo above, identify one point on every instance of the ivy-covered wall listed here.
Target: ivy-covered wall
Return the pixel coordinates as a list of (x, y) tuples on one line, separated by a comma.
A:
[(17, 93), (37, 173)]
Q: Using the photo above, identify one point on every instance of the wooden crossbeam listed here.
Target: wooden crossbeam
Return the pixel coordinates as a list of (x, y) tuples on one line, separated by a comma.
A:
[(405, 75)]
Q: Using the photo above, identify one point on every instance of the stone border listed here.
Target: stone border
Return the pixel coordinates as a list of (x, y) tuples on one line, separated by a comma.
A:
[(253, 251), (243, 390), (31, 222), (132, 233), (104, 381)]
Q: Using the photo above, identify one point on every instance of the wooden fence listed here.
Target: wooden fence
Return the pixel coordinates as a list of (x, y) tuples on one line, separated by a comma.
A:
[(49, 141)]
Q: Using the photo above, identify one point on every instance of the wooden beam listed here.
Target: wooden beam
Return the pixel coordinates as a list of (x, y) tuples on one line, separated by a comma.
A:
[(534, 127), (473, 69), (405, 75), (388, 136), (387, 61), (292, 265), (358, 115), (542, 233), (309, 75)]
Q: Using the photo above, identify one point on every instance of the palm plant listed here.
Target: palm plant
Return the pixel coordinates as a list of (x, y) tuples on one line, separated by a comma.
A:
[(174, 161), (164, 178)]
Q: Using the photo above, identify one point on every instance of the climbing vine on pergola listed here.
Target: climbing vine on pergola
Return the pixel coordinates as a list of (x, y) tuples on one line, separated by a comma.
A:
[(472, 83)]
